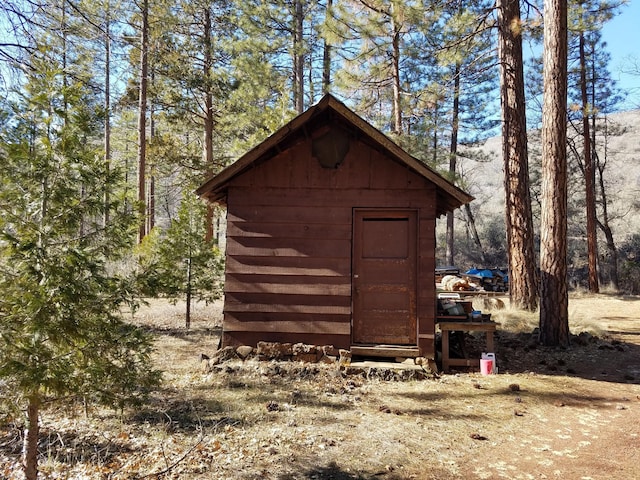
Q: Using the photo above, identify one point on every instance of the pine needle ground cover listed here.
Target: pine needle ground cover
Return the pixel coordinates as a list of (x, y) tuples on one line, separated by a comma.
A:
[(547, 414)]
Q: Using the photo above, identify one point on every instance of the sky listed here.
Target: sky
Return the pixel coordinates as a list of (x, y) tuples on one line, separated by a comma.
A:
[(622, 35)]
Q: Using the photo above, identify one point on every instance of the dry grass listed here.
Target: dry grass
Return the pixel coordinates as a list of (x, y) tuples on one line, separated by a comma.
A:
[(548, 414)]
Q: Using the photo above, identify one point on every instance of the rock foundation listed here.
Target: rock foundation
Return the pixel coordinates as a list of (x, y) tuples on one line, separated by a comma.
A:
[(416, 369)]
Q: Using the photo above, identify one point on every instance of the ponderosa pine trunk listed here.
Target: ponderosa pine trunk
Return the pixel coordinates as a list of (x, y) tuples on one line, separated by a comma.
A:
[(298, 56), (471, 225), (554, 303), (326, 57), (142, 119), (453, 156), (395, 73), (523, 288), (589, 176), (107, 111), (208, 114), (151, 202), (603, 222)]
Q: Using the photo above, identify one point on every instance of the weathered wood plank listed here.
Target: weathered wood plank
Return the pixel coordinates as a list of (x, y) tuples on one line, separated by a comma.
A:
[(284, 316), (317, 327), (289, 230), (280, 308), (317, 267), (289, 247), (386, 174), (290, 214), (309, 197), (289, 284), (355, 168), (384, 351), (258, 299)]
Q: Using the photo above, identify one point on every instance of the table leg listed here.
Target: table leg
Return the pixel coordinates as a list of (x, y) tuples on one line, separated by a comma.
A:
[(489, 341), (445, 350)]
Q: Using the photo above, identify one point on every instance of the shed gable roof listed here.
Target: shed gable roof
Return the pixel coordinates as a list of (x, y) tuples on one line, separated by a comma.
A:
[(449, 196)]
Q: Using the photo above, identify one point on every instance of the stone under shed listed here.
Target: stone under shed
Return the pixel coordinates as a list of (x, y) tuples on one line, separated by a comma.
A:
[(331, 238)]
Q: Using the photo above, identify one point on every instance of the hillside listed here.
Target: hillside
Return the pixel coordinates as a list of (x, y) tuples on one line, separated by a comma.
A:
[(621, 149)]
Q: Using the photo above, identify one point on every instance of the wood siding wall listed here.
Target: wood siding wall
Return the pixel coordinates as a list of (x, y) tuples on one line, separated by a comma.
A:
[(289, 245)]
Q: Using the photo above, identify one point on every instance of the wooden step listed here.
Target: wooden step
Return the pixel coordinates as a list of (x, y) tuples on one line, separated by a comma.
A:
[(385, 351)]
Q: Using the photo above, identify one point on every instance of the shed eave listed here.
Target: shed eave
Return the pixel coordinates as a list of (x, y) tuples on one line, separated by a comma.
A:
[(450, 196)]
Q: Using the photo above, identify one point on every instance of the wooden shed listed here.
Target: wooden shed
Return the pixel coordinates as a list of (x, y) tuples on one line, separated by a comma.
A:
[(331, 238)]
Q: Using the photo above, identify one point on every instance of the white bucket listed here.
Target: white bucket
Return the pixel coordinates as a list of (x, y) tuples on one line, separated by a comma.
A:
[(488, 364)]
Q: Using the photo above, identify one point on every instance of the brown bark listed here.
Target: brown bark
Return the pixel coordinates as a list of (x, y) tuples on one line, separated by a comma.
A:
[(30, 445), (554, 317), (326, 58), (142, 119), (523, 290), (589, 176), (107, 110), (603, 223), (208, 115), (187, 319), (397, 108), (151, 203), (453, 153), (298, 57), (471, 225)]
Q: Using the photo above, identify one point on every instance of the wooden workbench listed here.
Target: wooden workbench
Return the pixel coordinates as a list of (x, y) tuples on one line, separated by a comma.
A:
[(450, 324)]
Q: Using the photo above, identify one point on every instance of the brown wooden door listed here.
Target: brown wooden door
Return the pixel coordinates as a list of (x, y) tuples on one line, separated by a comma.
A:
[(384, 277)]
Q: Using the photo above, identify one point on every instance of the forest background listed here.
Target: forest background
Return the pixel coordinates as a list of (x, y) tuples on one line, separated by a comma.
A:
[(162, 94), (112, 113)]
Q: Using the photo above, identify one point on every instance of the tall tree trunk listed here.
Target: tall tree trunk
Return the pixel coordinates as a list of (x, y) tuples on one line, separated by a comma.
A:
[(64, 29), (397, 105), (523, 290), (107, 110), (208, 114), (603, 224), (395, 71), (589, 176), (151, 204), (142, 119), (554, 302), (471, 222), (434, 137), (453, 154), (30, 445), (298, 57), (189, 290), (326, 57)]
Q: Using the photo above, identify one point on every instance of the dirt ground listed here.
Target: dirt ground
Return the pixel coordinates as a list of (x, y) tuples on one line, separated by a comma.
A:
[(548, 413)]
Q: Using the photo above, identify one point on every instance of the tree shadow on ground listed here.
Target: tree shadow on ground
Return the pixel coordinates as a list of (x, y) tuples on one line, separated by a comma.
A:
[(68, 447), (185, 415), (333, 471), (590, 357), (514, 394), (192, 334)]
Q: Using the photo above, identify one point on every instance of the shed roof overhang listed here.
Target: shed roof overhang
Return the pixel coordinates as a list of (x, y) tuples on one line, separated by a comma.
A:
[(449, 196)]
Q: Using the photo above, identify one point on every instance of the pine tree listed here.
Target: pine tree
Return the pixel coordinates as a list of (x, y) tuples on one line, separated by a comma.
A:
[(61, 333), (378, 47), (523, 290), (143, 77), (180, 263), (586, 100), (554, 315), (468, 54)]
